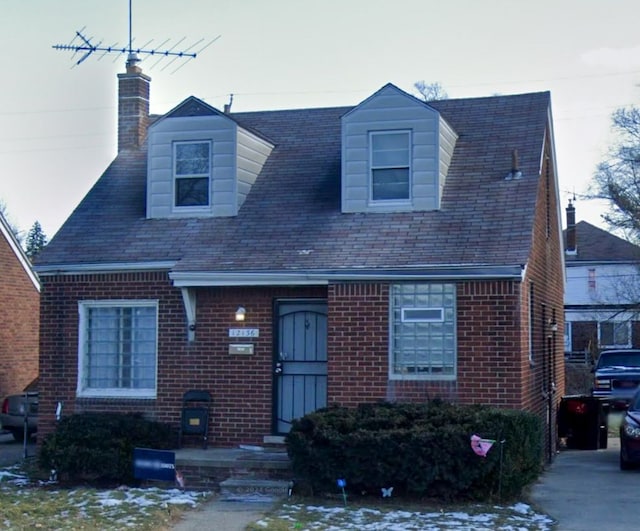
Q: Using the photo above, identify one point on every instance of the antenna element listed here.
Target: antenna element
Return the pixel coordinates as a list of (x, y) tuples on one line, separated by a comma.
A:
[(83, 44)]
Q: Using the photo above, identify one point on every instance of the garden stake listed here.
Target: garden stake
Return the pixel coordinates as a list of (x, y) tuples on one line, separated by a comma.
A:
[(342, 484)]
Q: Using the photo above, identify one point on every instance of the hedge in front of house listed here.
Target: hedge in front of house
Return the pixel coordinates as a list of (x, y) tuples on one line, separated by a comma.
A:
[(422, 450), (98, 447)]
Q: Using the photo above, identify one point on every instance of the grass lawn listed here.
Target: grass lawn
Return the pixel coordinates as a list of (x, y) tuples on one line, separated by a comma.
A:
[(38, 504), (28, 505)]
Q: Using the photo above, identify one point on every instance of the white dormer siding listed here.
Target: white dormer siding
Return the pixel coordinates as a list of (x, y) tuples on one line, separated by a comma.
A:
[(447, 138), (236, 157), (251, 154), (393, 113)]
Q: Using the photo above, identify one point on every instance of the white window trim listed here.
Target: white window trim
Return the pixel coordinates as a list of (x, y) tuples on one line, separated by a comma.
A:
[(407, 319), (174, 178), (81, 392), (390, 202)]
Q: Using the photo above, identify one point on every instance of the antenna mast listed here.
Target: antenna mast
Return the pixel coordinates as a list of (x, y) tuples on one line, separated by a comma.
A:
[(129, 59), (86, 45)]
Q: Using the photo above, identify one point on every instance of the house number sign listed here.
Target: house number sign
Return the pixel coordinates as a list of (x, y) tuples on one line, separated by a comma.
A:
[(244, 332)]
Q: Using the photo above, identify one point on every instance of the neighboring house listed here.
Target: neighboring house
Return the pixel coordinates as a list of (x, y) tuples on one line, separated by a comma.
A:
[(20, 308), (603, 290), (289, 260)]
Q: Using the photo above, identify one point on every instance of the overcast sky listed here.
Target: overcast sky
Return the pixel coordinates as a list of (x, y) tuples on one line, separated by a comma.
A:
[(58, 123)]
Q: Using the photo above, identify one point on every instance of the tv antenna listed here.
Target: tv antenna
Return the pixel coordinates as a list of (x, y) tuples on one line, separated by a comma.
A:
[(82, 43)]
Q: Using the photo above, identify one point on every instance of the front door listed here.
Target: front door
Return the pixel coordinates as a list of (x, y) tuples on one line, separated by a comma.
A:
[(300, 361)]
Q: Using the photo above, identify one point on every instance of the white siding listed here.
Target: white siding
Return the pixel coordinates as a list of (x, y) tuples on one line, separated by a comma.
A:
[(448, 139), (252, 153), (218, 129), (433, 141), (237, 159), (612, 284)]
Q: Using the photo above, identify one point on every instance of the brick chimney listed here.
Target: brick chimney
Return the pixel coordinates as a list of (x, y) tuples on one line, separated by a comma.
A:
[(570, 246), (133, 106)]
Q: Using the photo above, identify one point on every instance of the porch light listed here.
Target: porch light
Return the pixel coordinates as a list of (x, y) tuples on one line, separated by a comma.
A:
[(240, 313)]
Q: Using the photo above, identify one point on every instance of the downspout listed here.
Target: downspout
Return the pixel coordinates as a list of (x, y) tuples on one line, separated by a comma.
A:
[(189, 300)]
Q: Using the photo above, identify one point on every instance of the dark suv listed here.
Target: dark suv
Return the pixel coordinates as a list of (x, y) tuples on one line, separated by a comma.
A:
[(617, 376)]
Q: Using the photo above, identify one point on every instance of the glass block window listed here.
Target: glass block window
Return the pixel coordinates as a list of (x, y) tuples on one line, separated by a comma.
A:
[(423, 331), (390, 165), (118, 349), (192, 172)]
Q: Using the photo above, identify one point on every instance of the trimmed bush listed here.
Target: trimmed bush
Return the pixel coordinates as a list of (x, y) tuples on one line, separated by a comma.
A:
[(98, 447), (422, 450)]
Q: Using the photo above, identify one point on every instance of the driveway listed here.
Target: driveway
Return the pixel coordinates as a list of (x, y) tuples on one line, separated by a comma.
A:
[(12, 452), (585, 490)]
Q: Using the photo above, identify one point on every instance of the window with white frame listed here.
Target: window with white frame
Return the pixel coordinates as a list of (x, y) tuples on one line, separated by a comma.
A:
[(192, 173), (423, 331), (118, 349), (615, 334), (390, 158)]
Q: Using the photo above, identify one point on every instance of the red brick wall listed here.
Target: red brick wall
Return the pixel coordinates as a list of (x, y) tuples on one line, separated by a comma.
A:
[(358, 348), (488, 347), (19, 306), (241, 385), (489, 350), (543, 381)]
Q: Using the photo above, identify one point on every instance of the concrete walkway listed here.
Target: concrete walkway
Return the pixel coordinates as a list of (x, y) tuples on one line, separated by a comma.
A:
[(585, 490), (223, 516)]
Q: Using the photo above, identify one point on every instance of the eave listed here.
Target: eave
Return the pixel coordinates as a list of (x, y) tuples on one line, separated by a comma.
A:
[(92, 269), (324, 277), (20, 255)]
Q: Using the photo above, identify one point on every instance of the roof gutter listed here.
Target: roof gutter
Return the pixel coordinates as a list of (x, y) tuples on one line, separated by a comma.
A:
[(92, 269), (288, 278), (303, 278)]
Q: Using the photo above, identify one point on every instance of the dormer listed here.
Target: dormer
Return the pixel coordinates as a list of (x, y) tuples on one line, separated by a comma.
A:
[(396, 152), (201, 163)]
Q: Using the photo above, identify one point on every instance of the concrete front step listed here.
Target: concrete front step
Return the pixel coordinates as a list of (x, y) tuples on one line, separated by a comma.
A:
[(254, 489)]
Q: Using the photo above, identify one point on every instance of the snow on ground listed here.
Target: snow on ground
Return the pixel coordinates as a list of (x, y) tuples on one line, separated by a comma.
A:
[(516, 517), (126, 507), (143, 497)]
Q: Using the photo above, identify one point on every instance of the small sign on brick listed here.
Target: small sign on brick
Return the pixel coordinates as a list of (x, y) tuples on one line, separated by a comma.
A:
[(244, 348), (244, 332)]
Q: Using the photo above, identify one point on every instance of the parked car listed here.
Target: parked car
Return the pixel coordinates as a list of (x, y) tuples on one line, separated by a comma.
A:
[(12, 414), (617, 376), (630, 435)]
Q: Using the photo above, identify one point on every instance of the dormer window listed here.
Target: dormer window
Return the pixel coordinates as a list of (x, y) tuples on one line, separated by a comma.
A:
[(192, 173), (390, 153), (396, 153)]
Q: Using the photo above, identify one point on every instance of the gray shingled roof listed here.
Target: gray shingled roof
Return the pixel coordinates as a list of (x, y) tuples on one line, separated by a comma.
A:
[(291, 220), (597, 245)]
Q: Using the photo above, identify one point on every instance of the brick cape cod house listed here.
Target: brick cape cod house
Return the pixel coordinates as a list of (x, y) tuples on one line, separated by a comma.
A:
[(395, 250), (20, 307)]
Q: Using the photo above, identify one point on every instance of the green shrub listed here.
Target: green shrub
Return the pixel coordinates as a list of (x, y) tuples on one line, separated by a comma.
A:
[(419, 449), (98, 447)]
